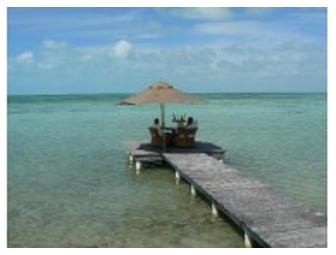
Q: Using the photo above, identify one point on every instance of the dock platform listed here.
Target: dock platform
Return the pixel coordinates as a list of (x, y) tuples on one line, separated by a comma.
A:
[(145, 152), (265, 217)]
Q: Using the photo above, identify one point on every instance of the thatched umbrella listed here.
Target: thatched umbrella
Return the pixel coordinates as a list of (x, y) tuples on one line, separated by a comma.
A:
[(160, 93)]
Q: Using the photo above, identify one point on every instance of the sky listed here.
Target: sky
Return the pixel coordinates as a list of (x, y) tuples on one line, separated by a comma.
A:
[(121, 50)]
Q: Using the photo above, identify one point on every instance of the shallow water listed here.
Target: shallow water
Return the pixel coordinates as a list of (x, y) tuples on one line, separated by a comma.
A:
[(69, 184)]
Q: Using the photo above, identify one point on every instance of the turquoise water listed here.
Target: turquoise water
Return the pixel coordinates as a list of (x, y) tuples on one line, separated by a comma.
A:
[(69, 184)]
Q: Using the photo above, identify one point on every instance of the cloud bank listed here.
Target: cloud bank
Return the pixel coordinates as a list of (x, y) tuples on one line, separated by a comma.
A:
[(204, 50)]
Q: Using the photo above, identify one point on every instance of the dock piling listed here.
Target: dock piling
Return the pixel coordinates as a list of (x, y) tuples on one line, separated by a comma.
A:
[(214, 210), (130, 159), (247, 240), (138, 166), (177, 177), (192, 190)]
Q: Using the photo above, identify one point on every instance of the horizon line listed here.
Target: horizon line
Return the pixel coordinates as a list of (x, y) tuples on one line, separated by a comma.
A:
[(217, 92)]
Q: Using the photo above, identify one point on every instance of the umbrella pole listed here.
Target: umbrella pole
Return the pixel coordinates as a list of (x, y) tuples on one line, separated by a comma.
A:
[(162, 115), (163, 127)]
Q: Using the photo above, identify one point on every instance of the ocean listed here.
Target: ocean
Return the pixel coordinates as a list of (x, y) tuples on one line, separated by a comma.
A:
[(69, 183)]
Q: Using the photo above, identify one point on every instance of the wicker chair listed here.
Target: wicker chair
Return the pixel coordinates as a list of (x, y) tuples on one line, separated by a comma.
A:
[(157, 139), (185, 137)]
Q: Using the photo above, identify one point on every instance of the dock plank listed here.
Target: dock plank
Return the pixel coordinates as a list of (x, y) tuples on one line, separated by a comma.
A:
[(142, 149), (272, 219)]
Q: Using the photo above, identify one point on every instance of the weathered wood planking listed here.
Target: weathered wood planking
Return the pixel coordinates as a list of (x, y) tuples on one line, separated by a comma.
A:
[(269, 218), (143, 150)]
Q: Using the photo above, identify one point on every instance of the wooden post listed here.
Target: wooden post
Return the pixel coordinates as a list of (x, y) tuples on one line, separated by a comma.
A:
[(177, 177), (247, 240), (192, 190), (163, 127), (130, 159), (162, 108), (138, 167), (214, 211)]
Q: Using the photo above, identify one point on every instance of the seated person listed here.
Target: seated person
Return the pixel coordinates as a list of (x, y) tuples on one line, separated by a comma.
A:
[(155, 132), (191, 123), (156, 123)]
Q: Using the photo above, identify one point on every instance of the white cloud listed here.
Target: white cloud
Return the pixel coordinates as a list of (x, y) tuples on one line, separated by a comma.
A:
[(258, 12), (54, 45), (253, 33), (209, 13), (217, 65), (243, 28), (26, 57), (53, 54), (150, 36), (122, 49)]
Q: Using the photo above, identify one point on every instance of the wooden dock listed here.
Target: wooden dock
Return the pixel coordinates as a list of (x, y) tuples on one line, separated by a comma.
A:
[(265, 217)]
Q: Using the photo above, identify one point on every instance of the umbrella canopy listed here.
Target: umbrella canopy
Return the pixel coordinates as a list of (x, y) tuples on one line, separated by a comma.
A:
[(161, 93)]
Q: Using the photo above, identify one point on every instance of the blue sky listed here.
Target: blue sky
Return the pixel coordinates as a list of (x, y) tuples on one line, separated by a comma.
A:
[(97, 50)]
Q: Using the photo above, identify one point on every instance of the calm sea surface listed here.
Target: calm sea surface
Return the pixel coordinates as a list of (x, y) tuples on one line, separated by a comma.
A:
[(69, 184)]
